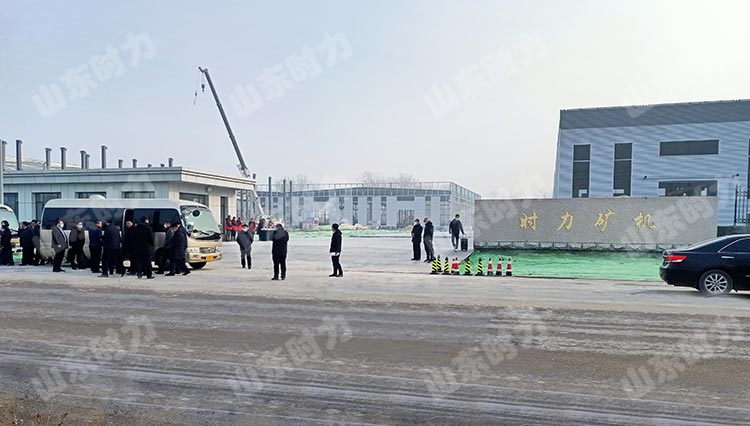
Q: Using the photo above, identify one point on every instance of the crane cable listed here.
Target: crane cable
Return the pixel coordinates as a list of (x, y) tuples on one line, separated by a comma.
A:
[(197, 82)]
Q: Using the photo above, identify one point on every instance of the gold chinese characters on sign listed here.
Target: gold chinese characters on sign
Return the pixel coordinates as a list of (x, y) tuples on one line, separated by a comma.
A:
[(602, 220), (529, 221), (567, 221), (642, 221)]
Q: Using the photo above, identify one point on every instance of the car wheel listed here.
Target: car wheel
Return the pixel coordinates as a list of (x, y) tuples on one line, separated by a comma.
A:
[(715, 283), (197, 265)]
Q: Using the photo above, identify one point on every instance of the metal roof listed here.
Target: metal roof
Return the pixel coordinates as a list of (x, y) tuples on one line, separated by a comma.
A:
[(656, 115)]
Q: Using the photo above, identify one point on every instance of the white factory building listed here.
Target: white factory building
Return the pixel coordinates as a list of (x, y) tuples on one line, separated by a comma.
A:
[(28, 184)]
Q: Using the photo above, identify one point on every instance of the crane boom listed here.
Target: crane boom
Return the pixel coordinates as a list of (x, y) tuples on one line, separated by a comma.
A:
[(242, 166)]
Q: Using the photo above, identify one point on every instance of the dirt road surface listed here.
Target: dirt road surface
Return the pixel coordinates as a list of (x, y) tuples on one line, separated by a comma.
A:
[(387, 344)]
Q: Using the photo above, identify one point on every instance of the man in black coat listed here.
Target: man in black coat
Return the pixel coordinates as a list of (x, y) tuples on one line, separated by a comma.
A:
[(6, 249), (59, 244), (166, 251), (142, 247), (35, 236), (280, 240), (178, 246), (416, 239), (335, 251), (127, 245), (95, 246), (26, 238), (111, 258), (455, 227), (429, 230), (245, 241)]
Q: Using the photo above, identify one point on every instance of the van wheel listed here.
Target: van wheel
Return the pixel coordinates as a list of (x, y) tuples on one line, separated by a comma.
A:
[(715, 283), (197, 265)]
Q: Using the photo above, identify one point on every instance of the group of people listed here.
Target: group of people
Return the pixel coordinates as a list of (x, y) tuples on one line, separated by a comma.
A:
[(233, 226), (279, 245), (109, 247), (424, 234)]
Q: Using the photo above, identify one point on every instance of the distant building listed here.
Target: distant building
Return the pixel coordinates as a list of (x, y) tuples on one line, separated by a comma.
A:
[(28, 189), (385, 206), (685, 149)]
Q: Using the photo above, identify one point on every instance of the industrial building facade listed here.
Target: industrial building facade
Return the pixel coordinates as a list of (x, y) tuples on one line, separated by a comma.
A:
[(383, 206), (31, 183), (688, 149)]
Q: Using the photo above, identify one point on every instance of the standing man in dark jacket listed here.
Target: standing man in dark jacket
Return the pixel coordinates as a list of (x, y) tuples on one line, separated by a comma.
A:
[(127, 245), (245, 241), (142, 247), (59, 244), (111, 258), (456, 228), (280, 240), (429, 230), (77, 240), (6, 249), (26, 238), (95, 246), (178, 245), (35, 236), (335, 251), (416, 239), (166, 251)]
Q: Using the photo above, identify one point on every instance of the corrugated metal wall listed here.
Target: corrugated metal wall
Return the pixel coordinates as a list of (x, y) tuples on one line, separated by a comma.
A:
[(729, 167)]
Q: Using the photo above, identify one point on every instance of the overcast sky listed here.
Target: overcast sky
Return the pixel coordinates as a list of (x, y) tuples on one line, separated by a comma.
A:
[(468, 91)]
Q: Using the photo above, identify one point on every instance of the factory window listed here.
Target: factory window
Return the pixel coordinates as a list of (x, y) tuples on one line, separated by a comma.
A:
[(196, 198), (138, 194), (320, 199), (383, 211), (11, 200), (688, 188), (623, 169), (404, 198), (86, 195), (581, 164), (703, 147), (41, 198)]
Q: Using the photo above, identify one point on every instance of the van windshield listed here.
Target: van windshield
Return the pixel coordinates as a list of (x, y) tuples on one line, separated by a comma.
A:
[(200, 222)]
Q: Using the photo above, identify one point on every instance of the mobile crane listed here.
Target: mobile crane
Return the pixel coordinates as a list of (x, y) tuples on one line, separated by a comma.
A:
[(244, 171)]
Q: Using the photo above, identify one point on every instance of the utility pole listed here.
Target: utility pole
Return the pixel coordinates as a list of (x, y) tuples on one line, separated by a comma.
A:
[(2, 171)]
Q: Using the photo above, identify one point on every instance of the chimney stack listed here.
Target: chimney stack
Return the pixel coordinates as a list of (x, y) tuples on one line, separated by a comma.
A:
[(104, 156), (119, 163), (47, 158), (171, 162), (135, 163), (2, 154), (83, 159), (162, 164), (88, 157), (19, 155), (63, 152)]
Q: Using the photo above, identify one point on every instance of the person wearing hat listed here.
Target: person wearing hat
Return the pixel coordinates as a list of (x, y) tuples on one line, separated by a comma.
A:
[(178, 246), (280, 240), (335, 251), (6, 251), (245, 241)]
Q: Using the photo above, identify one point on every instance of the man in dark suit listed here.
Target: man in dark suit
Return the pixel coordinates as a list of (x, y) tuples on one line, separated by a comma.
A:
[(178, 246), (59, 244), (429, 231), (278, 251), (166, 251), (335, 251), (95, 246), (416, 239), (26, 238), (35, 237), (142, 247), (6, 249), (111, 259)]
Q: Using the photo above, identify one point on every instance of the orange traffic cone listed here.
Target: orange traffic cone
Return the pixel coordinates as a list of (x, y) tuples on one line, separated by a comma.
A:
[(509, 269), (489, 267)]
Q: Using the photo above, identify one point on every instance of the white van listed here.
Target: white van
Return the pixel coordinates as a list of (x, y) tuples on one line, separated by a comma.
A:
[(204, 233)]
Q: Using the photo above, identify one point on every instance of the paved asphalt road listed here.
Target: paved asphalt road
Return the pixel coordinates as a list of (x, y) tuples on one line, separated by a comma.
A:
[(227, 347)]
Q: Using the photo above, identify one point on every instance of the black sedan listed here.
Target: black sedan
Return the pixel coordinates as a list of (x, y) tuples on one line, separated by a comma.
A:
[(714, 267)]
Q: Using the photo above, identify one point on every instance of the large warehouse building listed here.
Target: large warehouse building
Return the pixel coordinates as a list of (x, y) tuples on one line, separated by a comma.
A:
[(381, 205), (686, 149)]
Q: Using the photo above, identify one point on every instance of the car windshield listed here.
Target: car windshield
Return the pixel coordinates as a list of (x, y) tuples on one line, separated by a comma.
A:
[(10, 217), (200, 223)]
